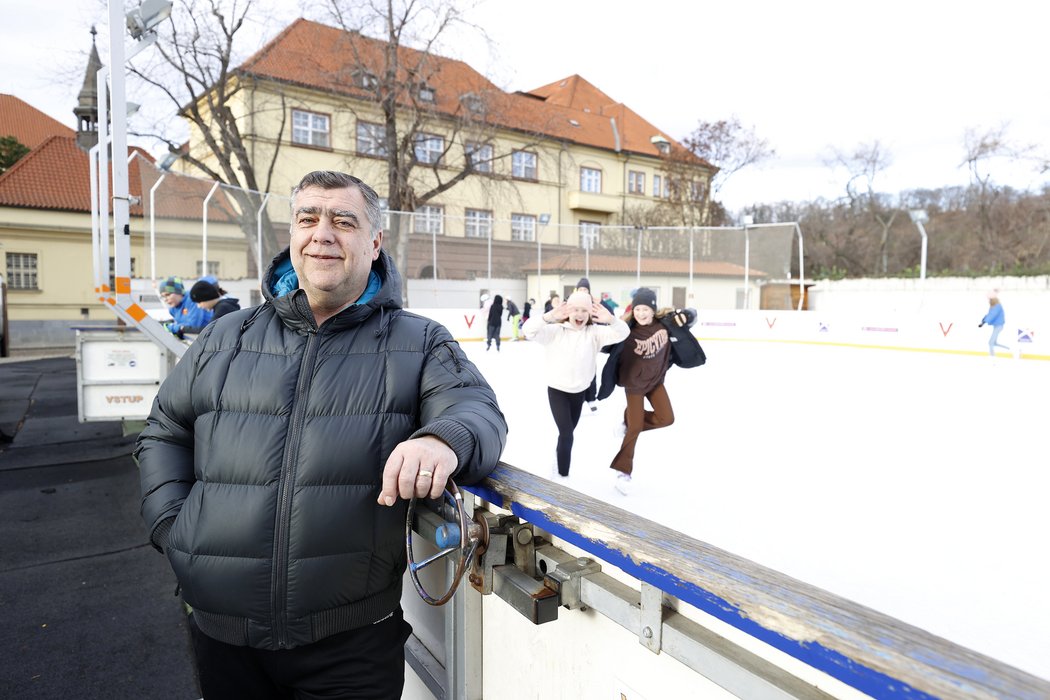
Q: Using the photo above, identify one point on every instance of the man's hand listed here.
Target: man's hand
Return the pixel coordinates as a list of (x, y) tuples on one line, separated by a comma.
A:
[(419, 467)]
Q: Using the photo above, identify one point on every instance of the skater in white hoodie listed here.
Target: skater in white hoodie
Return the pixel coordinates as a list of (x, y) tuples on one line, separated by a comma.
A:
[(573, 334)]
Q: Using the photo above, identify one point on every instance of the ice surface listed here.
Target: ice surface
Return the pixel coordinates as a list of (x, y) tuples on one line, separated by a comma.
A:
[(911, 482)]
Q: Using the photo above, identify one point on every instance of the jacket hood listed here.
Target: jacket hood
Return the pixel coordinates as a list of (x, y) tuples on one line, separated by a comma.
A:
[(280, 288)]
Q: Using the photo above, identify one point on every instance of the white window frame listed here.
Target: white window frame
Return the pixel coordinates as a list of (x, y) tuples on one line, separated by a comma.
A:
[(523, 165), (661, 186), (427, 94), (590, 234), (371, 138), (23, 271), (213, 268), (311, 129), (635, 182), (477, 223), (523, 227), (590, 180), (696, 190), (484, 151), (366, 80), (429, 148), (429, 218)]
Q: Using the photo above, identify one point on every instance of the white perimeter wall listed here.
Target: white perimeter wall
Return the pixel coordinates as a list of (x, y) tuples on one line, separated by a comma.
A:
[(935, 315)]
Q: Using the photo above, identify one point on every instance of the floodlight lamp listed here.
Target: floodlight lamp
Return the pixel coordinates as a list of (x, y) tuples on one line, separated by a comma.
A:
[(545, 219), (919, 216), (147, 17), (169, 160), (133, 108)]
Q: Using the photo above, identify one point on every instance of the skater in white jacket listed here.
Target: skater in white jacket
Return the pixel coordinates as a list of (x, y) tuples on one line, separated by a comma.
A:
[(573, 334)]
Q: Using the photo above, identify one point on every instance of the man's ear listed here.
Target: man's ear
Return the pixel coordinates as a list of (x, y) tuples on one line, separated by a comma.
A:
[(377, 245)]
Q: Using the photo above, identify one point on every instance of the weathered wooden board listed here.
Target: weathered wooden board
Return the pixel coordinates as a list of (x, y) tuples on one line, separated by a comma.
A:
[(872, 652)]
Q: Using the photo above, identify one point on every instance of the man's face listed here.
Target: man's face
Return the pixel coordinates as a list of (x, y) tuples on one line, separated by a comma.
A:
[(171, 299), (331, 246), (643, 315)]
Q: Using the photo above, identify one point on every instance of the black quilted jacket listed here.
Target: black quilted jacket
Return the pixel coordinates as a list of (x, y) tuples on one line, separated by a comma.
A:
[(262, 459)]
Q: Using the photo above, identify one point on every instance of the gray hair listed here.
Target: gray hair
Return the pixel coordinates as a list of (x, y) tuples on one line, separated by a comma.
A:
[(335, 180)]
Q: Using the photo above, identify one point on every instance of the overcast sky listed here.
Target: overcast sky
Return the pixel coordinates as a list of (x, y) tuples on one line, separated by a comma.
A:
[(808, 76)]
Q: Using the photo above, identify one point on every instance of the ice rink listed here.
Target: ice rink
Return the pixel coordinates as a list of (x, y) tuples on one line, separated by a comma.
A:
[(914, 483)]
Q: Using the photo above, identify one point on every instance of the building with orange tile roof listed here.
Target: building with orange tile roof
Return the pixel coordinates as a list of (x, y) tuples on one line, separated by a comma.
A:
[(487, 163), (45, 230), (564, 166)]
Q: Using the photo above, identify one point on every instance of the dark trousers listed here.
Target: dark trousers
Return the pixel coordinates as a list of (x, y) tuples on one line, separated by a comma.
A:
[(367, 662), (566, 409), (637, 420), (493, 334)]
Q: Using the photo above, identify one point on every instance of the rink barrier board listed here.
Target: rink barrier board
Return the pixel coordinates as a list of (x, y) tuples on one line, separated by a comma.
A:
[(889, 331), (867, 650)]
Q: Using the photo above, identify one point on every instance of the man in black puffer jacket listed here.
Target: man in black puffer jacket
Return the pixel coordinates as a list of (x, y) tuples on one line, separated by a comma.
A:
[(278, 454)]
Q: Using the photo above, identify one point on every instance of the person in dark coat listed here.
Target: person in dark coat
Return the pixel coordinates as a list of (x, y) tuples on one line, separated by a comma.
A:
[(639, 364), (277, 459), (495, 322), (211, 297)]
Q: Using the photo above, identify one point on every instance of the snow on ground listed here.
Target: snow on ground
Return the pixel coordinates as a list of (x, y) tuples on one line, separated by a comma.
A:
[(914, 483)]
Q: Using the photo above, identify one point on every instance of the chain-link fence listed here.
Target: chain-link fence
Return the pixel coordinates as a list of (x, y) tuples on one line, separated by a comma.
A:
[(196, 227)]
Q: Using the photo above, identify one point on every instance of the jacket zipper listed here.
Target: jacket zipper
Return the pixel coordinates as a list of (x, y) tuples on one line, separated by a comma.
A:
[(285, 490), (458, 364)]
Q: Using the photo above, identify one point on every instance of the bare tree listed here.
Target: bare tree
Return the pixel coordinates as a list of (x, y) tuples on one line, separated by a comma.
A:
[(194, 66), (390, 62), (864, 165), (730, 147)]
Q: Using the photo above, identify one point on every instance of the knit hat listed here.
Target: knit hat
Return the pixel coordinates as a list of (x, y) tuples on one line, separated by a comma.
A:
[(580, 298), (204, 291), (644, 297), (584, 283), (172, 285)]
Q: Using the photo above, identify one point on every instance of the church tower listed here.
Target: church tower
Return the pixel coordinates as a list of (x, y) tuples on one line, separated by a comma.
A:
[(87, 101)]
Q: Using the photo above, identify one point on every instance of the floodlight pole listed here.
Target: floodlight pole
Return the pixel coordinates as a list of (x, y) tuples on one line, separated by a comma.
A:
[(544, 220), (121, 301), (748, 220), (153, 229), (204, 227), (922, 257)]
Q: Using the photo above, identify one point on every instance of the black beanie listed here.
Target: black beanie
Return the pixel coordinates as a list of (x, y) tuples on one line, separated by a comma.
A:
[(585, 283), (644, 297), (204, 291)]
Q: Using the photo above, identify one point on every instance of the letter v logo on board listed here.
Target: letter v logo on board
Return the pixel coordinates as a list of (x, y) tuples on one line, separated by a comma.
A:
[(771, 323), (945, 331), (469, 321)]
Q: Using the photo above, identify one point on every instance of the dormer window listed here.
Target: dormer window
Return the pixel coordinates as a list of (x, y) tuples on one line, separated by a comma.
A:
[(473, 103), (427, 94), (661, 143), (366, 80)]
